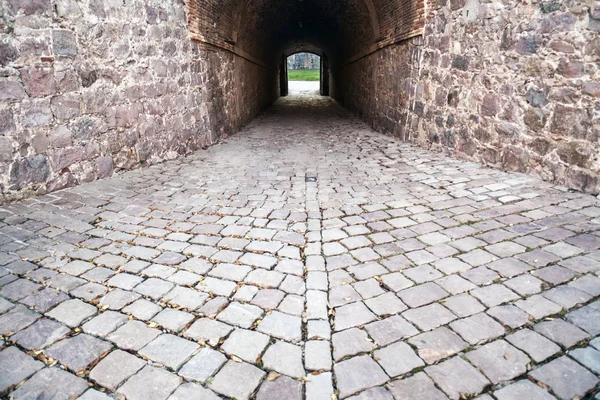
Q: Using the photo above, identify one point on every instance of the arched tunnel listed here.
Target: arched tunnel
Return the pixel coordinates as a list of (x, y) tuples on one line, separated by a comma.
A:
[(345, 34)]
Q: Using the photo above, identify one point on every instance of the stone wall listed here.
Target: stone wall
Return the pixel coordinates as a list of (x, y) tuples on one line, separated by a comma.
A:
[(514, 84), (96, 86)]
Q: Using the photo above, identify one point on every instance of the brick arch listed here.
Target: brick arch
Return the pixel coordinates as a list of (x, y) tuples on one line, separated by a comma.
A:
[(244, 3), (260, 30)]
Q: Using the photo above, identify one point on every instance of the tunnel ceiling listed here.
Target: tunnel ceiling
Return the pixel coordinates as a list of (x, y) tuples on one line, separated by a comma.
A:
[(266, 29)]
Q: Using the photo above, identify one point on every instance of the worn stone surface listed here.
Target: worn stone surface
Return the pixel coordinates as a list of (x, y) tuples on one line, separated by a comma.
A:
[(115, 368), (150, 383), (16, 366), (443, 287)]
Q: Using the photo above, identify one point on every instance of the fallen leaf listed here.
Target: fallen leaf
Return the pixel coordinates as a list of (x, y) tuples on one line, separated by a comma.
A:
[(272, 376)]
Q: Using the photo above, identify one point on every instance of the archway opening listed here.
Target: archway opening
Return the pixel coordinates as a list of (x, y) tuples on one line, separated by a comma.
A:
[(304, 74)]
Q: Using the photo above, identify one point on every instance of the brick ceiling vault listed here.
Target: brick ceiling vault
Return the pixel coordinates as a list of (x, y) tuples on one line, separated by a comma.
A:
[(264, 30)]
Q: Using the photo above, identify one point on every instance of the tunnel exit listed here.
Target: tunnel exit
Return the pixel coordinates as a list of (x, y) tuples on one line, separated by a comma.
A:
[(304, 74)]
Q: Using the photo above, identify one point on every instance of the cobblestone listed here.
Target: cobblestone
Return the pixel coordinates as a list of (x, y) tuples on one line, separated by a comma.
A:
[(405, 273)]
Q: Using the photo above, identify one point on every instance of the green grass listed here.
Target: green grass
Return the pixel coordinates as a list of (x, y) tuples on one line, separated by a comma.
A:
[(304, 75)]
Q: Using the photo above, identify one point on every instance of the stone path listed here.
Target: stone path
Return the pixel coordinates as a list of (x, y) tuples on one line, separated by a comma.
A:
[(304, 88), (231, 273)]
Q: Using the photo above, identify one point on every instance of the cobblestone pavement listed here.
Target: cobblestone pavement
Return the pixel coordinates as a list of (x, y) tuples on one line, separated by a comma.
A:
[(399, 274)]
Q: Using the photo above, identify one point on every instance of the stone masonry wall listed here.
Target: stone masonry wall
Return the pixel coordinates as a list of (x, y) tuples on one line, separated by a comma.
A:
[(96, 86), (514, 84)]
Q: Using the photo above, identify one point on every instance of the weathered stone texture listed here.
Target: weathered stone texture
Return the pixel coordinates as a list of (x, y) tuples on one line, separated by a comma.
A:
[(91, 88), (513, 85)]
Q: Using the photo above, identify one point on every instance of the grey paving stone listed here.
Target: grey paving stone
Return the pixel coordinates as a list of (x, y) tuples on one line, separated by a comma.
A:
[(142, 309), (587, 356), (208, 330), (317, 355), (357, 374), (463, 305), (17, 318), (72, 312), (390, 329), (193, 391), (457, 378), (385, 304), (282, 387), (371, 269), (421, 295), (437, 344), (566, 296), (51, 383), (397, 359), (169, 350), (292, 304), (213, 306), (264, 278), (376, 393), (494, 295), (319, 386), (16, 366), (587, 283), (92, 394), (368, 288), (245, 293), (344, 294), (294, 267), (89, 291), (454, 284), (203, 365), (477, 328), (232, 272), (268, 298), (65, 282), (245, 344), (78, 352), (104, 323), (115, 368), (293, 284), (318, 329), (118, 298), (554, 275), (525, 284), (351, 342), (586, 318), (565, 377), (238, 314), (538, 307), (499, 361), (352, 315), (40, 335), (124, 281), (19, 289), (151, 383), (480, 275), (509, 315), (237, 380), (284, 358), (282, 326), (429, 317), (523, 389), (561, 332), (535, 345), (417, 387), (154, 288), (45, 299), (133, 335), (173, 320)]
